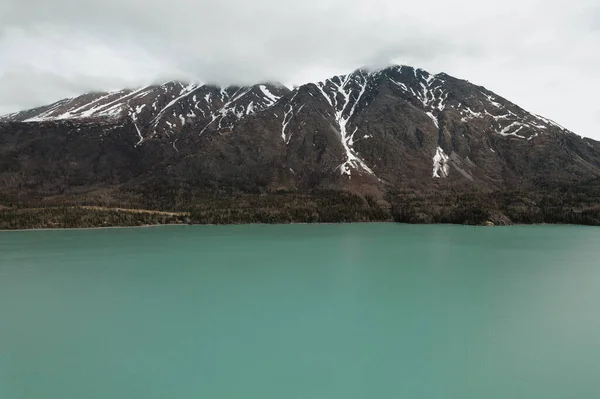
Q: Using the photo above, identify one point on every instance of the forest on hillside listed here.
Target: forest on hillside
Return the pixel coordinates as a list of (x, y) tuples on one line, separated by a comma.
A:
[(188, 205)]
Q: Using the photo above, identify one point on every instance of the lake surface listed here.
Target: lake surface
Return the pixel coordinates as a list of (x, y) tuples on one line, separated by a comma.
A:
[(301, 311)]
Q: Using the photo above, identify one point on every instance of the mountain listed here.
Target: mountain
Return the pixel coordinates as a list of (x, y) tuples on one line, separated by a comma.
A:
[(374, 134)]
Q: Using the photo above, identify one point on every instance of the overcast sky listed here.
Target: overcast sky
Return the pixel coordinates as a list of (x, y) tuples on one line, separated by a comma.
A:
[(542, 55)]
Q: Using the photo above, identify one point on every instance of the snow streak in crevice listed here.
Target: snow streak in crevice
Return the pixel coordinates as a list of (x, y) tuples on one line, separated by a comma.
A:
[(185, 92), (441, 166), (353, 161), (430, 93), (270, 96), (288, 114), (134, 117)]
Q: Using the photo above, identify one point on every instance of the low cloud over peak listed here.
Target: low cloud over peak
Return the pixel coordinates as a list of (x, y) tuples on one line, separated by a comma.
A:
[(539, 54)]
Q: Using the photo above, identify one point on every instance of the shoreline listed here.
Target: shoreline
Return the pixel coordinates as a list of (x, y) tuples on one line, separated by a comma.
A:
[(191, 225), (145, 226), (285, 224)]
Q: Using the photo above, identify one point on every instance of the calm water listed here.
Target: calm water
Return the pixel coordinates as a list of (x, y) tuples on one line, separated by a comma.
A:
[(304, 311)]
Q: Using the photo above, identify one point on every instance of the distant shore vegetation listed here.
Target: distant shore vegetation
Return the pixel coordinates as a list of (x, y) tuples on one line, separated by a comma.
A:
[(156, 205)]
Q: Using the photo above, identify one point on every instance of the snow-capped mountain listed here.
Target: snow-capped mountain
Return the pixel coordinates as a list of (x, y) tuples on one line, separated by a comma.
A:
[(368, 130), (161, 109)]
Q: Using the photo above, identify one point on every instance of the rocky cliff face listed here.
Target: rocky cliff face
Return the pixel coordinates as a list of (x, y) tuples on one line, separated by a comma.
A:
[(367, 132)]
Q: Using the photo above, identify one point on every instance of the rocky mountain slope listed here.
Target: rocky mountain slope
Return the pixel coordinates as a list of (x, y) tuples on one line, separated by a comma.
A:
[(368, 132)]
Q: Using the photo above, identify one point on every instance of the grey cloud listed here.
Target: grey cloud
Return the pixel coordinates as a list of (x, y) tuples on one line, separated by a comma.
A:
[(40, 85), (526, 50)]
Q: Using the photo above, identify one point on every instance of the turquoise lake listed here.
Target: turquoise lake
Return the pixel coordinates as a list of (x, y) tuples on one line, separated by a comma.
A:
[(301, 312)]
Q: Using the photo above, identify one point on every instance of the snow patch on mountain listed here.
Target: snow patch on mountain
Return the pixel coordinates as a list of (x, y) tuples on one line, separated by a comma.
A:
[(507, 130), (185, 92), (433, 118), (344, 101), (441, 166), (270, 96)]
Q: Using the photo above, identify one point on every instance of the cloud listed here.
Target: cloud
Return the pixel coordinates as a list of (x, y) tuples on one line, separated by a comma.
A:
[(539, 54)]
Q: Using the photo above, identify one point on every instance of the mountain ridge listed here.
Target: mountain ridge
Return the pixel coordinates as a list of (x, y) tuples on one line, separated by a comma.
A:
[(366, 132), (108, 111)]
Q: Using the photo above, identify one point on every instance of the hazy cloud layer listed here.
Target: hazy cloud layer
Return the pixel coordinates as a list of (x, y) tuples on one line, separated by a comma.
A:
[(541, 54)]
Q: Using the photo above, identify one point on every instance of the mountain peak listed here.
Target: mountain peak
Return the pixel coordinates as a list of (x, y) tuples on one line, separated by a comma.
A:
[(383, 127)]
